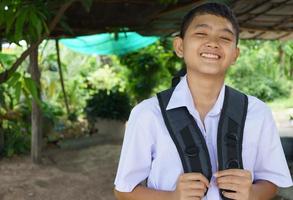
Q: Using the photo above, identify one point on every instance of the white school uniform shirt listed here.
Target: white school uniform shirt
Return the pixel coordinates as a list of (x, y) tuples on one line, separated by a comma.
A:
[(148, 152)]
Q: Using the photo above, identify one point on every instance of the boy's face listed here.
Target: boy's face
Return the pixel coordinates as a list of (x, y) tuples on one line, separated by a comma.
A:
[(209, 45)]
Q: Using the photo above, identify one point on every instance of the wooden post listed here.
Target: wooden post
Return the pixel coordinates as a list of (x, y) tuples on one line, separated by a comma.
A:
[(36, 145)]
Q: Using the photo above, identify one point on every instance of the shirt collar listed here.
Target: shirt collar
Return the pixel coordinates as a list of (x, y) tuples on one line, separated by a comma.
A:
[(181, 96)]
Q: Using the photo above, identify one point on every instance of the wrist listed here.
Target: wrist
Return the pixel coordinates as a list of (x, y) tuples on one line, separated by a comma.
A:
[(172, 195), (253, 193)]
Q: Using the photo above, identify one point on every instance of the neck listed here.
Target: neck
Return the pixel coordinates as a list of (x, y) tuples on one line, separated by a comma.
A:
[(205, 90)]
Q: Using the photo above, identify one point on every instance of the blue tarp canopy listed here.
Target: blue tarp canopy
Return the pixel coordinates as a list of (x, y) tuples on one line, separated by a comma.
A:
[(108, 43)]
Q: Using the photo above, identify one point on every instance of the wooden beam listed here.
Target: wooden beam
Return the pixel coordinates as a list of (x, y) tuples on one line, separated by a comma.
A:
[(273, 6), (258, 35), (36, 117), (177, 8), (269, 29), (251, 9)]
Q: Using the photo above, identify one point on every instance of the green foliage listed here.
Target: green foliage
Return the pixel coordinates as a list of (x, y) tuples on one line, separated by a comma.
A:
[(6, 60), (282, 103), (258, 72), (29, 19), (16, 138), (18, 89), (23, 20), (150, 69), (111, 104)]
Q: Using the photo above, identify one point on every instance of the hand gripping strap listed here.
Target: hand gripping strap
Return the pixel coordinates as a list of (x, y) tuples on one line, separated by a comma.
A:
[(230, 130), (186, 136)]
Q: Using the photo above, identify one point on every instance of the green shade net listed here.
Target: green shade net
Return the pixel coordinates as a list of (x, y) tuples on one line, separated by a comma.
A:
[(107, 43)]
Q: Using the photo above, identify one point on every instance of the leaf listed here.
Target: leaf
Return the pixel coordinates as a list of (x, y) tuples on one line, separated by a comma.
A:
[(18, 91), (13, 80), (27, 100), (31, 86), (36, 24), (9, 23), (19, 23)]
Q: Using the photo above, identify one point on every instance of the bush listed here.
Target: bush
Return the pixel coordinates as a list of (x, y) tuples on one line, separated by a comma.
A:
[(108, 104), (17, 139), (258, 84)]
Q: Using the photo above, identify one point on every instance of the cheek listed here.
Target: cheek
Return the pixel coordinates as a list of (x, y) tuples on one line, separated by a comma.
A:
[(190, 48), (231, 54)]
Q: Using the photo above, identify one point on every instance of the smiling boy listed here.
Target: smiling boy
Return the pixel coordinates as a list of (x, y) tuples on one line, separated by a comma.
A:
[(208, 45)]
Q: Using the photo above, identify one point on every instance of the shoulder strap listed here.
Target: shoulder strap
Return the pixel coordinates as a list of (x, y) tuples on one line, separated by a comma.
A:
[(186, 136), (189, 140), (230, 129)]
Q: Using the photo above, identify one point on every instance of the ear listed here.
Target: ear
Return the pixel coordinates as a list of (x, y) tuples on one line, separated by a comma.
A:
[(236, 54), (178, 46)]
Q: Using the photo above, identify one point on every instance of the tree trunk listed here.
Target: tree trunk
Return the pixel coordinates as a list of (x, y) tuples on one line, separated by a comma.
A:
[(282, 61), (1, 139), (36, 146)]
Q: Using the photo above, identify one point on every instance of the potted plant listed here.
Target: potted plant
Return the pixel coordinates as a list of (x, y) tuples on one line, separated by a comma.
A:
[(107, 112)]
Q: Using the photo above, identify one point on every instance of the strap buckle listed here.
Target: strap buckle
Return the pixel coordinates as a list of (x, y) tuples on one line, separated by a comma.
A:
[(191, 151)]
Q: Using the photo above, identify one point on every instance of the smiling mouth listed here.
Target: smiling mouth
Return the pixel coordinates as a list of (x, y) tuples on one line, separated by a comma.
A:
[(210, 56)]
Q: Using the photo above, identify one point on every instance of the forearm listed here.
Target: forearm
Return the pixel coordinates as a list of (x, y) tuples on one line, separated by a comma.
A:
[(143, 193), (263, 190)]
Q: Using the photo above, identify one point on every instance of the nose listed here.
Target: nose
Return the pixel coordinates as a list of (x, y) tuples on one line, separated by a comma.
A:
[(212, 43)]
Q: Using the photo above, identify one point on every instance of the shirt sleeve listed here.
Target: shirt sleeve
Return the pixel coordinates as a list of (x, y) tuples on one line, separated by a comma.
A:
[(136, 154), (270, 163)]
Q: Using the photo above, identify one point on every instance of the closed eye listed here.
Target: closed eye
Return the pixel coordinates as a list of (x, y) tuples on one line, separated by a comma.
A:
[(200, 34), (226, 39)]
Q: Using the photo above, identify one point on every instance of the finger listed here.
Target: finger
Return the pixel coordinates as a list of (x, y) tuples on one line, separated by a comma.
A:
[(234, 180), (195, 177), (228, 186), (194, 193), (231, 195), (193, 198), (195, 185), (233, 172)]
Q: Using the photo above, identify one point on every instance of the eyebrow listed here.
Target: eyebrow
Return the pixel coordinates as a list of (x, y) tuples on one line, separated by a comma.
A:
[(209, 27)]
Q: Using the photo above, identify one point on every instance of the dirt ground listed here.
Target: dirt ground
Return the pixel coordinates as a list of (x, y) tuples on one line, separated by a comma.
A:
[(86, 174)]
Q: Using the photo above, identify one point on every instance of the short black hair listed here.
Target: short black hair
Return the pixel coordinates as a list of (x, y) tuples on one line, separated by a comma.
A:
[(217, 9)]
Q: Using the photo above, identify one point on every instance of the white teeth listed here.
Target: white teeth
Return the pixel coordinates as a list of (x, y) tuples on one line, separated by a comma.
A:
[(209, 55)]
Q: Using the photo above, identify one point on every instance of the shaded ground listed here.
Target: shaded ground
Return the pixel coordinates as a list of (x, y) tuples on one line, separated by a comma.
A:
[(85, 174)]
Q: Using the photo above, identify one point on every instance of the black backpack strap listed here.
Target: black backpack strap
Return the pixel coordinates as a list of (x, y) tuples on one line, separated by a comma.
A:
[(176, 79), (187, 136), (230, 130)]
